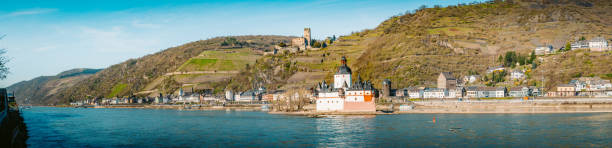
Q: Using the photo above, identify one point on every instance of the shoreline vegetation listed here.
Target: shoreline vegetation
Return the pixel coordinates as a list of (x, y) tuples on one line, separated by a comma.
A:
[(510, 106)]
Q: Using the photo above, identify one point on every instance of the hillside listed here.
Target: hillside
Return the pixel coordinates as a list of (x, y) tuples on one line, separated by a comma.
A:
[(40, 88), (412, 49), (409, 49), (160, 71)]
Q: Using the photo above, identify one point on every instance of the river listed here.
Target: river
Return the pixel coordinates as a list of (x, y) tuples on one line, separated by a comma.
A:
[(90, 127)]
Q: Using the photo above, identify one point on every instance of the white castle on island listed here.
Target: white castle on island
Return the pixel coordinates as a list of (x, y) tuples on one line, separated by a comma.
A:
[(345, 95)]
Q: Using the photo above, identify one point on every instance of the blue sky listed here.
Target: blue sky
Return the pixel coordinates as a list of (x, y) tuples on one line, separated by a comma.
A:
[(47, 37)]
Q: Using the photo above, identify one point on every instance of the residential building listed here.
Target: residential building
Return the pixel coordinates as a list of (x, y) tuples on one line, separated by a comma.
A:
[(565, 90), (229, 95), (455, 93), (446, 80), (535, 91), (543, 50), (519, 92), (485, 92), (591, 84), (580, 45), (414, 92), (434, 93), (598, 44), (517, 74)]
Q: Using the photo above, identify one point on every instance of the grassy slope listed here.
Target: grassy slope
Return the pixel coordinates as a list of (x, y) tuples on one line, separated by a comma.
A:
[(221, 60)]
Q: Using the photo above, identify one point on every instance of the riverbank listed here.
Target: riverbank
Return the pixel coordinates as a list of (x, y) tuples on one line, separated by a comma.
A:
[(506, 106), (240, 107), (510, 106), (551, 105)]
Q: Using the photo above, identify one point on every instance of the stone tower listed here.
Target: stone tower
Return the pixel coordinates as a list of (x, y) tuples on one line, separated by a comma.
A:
[(386, 90), (307, 37)]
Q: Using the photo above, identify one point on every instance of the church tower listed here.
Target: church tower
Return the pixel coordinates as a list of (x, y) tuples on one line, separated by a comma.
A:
[(343, 75)]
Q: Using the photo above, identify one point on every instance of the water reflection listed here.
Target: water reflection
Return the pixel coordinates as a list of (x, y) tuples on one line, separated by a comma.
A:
[(345, 131), (67, 127)]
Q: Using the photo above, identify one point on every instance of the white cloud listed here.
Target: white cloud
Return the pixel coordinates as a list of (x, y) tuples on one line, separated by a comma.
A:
[(32, 11)]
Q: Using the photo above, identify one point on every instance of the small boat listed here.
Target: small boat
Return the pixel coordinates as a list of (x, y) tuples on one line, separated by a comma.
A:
[(387, 111)]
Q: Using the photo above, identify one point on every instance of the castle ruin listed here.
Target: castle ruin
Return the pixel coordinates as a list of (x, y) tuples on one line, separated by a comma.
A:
[(303, 42)]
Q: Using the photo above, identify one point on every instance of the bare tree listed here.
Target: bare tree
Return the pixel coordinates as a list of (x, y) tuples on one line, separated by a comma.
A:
[(4, 70), (293, 100)]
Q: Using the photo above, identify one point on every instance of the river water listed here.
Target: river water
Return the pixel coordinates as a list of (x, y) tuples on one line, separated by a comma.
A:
[(88, 127)]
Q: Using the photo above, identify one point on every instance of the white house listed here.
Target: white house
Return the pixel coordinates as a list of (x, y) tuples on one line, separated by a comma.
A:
[(471, 78), (517, 74), (455, 93), (414, 92), (229, 95), (434, 93), (519, 92), (579, 45), (542, 50), (485, 92), (598, 44)]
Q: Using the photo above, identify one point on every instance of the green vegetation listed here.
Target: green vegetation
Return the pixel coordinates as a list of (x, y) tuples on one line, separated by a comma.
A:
[(568, 47), (116, 90), (230, 41), (511, 58), (202, 62), (220, 60)]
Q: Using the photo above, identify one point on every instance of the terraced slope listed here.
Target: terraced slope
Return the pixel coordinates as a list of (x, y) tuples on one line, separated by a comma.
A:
[(133, 76)]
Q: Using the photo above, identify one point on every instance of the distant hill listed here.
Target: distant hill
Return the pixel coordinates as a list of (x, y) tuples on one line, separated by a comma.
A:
[(39, 89), (149, 74)]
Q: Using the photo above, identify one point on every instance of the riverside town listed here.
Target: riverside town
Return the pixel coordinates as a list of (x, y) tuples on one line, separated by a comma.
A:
[(360, 96), (340, 73)]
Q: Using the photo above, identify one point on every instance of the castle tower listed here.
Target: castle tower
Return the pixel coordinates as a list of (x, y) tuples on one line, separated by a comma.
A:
[(343, 75), (307, 37), (386, 90)]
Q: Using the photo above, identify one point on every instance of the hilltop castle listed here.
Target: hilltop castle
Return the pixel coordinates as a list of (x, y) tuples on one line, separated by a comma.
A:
[(304, 42), (345, 95)]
